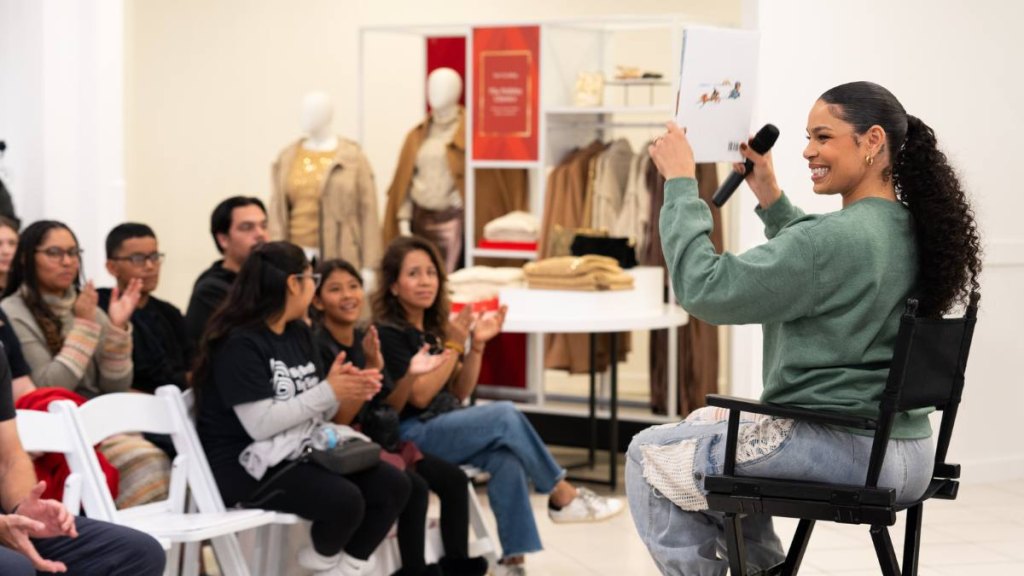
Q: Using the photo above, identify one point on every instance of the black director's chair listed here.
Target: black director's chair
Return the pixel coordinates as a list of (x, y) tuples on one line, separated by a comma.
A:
[(927, 369)]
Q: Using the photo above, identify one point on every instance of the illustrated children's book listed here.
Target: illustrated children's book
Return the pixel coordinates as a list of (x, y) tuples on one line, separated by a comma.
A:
[(717, 87)]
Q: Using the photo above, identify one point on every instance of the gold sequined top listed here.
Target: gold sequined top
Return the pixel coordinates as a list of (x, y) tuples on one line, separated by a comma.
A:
[(305, 182)]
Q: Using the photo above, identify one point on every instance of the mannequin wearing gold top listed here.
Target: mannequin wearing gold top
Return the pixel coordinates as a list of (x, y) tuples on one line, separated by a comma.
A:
[(427, 195), (324, 198)]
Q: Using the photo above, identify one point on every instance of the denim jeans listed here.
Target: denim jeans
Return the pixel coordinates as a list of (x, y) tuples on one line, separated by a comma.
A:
[(666, 465), (497, 438)]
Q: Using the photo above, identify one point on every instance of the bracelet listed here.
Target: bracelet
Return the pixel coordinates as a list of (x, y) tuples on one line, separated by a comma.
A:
[(453, 345), (478, 350)]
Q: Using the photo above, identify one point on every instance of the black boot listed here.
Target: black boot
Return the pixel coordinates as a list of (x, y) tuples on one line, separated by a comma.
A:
[(475, 566)]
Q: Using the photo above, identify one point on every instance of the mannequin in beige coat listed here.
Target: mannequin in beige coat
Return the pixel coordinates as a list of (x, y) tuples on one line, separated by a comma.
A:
[(324, 198)]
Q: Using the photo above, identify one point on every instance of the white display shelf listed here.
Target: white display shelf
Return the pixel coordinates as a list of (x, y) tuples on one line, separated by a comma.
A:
[(499, 253), (576, 110), (638, 82)]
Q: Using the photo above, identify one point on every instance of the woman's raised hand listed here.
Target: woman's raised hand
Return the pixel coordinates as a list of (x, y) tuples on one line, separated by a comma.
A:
[(424, 362), (672, 153), (350, 383), (122, 305), (489, 325), (459, 327), (762, 181), (86, 302)]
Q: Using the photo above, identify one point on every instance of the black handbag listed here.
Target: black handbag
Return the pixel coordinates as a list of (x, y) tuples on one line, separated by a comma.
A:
[(621, 249), (443, 403), (380, 422), (348, 457)]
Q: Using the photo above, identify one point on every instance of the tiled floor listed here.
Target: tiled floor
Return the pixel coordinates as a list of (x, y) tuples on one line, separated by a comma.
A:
[(982, 532)]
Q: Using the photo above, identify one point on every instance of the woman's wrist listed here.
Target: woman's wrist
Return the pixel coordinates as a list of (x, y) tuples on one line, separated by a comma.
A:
[(456, 347), (478, 347)]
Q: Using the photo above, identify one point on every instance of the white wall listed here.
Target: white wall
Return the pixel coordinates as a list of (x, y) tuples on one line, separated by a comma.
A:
[(953, 64), (61, 110), (213, 90)]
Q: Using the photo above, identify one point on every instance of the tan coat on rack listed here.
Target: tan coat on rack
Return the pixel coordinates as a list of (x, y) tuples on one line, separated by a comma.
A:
[(498, 191), (349, 225)]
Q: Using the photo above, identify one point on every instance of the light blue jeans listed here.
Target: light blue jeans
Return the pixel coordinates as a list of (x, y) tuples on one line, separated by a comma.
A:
[(666, 465), (497, 438)]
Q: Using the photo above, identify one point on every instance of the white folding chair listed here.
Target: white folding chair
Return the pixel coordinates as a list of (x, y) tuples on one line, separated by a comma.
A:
[(45, 432), (483, 544), (206, 494), (55, 432), (119, 413)]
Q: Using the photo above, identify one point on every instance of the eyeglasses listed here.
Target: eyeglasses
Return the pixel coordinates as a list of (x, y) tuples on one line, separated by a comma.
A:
[(314, 276), (57, 254), (139, 260)]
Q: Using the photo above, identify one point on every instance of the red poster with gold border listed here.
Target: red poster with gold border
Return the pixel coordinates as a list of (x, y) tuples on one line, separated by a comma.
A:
[(506, 92)]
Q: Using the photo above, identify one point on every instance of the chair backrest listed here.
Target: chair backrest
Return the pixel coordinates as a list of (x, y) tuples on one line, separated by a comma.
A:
[(63, 434), (186, 441), (117, 413), (927, 371), (46, 432)]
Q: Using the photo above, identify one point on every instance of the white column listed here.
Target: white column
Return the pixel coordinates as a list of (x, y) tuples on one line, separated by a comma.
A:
[(63, 71)]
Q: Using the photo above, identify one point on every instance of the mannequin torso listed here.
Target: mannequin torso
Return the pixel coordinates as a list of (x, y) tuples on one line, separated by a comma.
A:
[(324, 198)]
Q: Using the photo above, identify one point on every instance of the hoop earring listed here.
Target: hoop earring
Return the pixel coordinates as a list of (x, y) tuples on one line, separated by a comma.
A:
[(869, 160)]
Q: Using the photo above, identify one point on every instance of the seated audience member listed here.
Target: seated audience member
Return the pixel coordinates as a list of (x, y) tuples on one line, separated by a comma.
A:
[(338, 305), (21, 373), (39, 535), (237, 225), (261, 393), (159, 346), (70, 343), (829, 291), (66, 339), (8, 245), (411, 310)]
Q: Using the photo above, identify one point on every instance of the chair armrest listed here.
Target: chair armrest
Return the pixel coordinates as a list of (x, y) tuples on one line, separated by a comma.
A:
[(807, 415)]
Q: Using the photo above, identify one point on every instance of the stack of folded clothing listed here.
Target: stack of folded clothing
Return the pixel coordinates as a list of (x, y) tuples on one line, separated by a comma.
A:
[(587, 273), (517, 229), (478, 284)]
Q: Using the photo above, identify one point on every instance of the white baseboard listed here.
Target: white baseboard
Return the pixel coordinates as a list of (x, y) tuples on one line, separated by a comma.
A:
[(991, 470)]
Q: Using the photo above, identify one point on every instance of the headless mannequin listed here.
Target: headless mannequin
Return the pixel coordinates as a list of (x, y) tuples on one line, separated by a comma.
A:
[(433, 180)]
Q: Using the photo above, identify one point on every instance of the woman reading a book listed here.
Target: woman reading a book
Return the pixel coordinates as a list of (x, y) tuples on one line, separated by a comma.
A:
[(829, 290)]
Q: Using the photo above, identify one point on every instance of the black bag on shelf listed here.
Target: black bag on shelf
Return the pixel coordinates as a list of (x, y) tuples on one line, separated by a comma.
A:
[(621, 249)]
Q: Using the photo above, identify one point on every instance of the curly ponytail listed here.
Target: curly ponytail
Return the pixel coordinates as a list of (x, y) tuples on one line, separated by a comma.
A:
[(947, 237), (948, 244)]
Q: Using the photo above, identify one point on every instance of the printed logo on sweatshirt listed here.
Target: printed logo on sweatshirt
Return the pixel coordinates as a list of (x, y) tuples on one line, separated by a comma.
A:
[(291, 381)]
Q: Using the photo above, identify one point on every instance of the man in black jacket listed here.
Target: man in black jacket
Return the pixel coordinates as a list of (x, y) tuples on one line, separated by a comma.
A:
[(237, 225)]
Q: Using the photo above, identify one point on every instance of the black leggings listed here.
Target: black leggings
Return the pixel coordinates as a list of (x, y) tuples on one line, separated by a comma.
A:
[(351, 512), (448, 481)]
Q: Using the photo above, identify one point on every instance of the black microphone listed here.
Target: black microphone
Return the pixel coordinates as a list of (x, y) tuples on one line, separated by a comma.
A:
[(761, 143)]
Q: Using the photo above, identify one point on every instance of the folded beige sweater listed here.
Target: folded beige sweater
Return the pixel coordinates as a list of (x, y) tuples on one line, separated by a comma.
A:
[(588, 273)]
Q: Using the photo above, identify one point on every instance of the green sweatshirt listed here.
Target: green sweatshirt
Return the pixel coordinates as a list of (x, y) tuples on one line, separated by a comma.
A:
[(828, 289)]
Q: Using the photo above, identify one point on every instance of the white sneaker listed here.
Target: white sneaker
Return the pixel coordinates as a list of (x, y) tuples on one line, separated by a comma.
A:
[(350, 566), (587, 506), (510, 570), (310, 559)]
